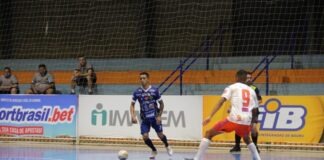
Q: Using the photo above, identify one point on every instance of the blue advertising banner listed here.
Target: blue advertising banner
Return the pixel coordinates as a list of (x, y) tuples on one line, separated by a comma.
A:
[(50, 116)]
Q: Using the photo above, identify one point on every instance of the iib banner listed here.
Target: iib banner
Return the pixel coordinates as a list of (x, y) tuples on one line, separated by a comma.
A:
[(109, 116), (282, 118), (48, 116)]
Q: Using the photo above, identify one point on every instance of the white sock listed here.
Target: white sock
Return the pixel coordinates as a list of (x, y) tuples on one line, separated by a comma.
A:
[(254, 151), (202, 148)]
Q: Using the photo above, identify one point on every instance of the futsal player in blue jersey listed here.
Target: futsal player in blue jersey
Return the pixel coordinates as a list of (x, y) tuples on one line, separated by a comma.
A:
[(148, 98)]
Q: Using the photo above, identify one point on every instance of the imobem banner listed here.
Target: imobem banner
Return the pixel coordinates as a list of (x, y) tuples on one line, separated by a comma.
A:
[(281, 119), (109, 116), (50, 116)]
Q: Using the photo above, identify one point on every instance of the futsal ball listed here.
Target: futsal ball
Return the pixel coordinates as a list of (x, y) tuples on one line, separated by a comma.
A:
[(122, 155)]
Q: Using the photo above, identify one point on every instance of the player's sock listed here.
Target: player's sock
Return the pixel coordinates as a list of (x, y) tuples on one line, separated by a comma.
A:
[(255, 138), (165, 141), (237, 140), (202, 148), (254, 151), (149, 143)]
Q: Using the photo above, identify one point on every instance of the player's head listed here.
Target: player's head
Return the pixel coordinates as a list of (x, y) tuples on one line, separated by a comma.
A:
[(241, 76), (82, 60), (7, 72), (42, 69), (249, 78), (144, 78)]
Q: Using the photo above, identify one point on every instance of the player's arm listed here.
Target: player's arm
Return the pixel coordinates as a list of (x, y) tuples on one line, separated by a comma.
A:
[(132, 111), (257, 92), (215, 109), (161, 103), (159, 114), (161, 108), (255, 109), (132, 108)]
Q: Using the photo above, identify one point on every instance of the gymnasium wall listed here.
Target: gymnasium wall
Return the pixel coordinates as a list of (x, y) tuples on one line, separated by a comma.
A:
[(289, 119)]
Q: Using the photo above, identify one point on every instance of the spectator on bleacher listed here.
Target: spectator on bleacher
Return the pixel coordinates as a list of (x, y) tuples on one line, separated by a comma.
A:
[(42, 83), (83, 75), (8, 82)]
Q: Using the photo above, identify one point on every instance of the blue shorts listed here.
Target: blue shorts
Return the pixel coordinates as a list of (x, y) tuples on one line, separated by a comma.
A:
[(148, 123)]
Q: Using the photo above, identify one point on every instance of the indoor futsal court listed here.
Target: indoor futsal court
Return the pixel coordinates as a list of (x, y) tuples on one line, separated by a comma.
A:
[(19, 151)]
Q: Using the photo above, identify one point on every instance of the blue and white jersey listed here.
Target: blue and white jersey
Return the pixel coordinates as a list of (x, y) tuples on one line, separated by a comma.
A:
[(148, 101)]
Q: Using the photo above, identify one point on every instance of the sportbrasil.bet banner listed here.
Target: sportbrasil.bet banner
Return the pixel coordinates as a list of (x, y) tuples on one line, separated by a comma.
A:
[(50, 116)]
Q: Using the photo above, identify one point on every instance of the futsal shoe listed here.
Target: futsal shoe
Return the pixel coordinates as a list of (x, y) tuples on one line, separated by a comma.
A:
[(169, 150), (153, 154), (235, 149)]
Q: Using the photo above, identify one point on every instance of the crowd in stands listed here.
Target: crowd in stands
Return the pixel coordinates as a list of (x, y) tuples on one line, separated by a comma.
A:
[(43, 82)]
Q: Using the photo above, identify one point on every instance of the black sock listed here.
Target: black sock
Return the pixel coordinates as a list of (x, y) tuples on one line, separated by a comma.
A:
[(255, 138), (237, 140), (149, 143), (165, 141)]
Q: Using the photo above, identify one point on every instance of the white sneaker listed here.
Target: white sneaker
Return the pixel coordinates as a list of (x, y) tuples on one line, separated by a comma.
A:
[(154, 153), (169, 150)]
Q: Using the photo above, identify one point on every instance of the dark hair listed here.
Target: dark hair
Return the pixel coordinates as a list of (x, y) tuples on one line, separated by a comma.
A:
[(8, 68), (82, 56), (42, 65), (241, 75), (145, 73)]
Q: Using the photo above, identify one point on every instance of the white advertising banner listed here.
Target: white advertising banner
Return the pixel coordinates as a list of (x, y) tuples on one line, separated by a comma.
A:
[(109, 116)]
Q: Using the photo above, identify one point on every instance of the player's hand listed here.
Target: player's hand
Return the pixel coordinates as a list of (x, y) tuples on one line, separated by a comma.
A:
[(206, 121), (134, 120), (158, 120)]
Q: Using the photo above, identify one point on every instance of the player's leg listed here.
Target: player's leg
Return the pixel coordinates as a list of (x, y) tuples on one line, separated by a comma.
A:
[(204, 143), (158, 129), (244, 131), (236, 147), (145, 129), (219, 128), (251, 147), (164, 139), (254, 135), (149, 143)]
